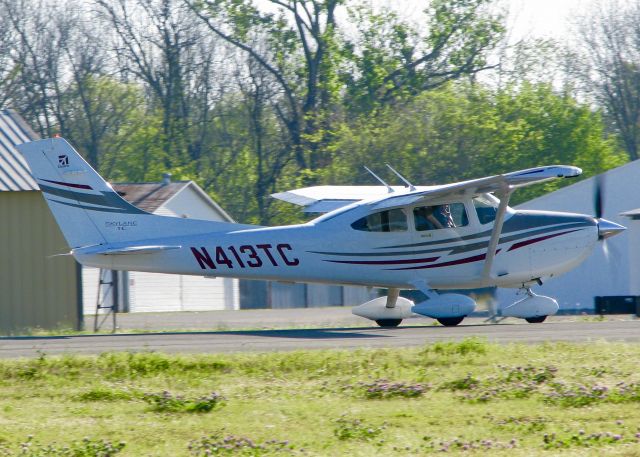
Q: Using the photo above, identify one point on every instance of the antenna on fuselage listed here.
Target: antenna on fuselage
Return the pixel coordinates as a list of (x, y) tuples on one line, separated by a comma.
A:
[(389, 188), (404, 180)]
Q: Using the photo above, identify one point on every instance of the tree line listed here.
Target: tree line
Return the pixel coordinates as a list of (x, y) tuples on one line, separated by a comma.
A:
[(249, 98)]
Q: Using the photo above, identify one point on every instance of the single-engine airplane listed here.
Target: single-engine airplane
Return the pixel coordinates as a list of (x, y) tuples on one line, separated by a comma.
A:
[(432, 238)]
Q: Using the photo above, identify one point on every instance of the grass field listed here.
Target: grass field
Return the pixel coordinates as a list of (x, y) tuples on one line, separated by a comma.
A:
[(462, 398)]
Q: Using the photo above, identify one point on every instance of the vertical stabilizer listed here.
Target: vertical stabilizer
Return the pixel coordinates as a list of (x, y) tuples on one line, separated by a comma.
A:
[(82, 203), (88, 210)]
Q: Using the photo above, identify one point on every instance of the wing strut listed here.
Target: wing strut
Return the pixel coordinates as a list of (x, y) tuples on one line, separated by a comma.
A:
[(504, 196), (404, 180), (389, 188)]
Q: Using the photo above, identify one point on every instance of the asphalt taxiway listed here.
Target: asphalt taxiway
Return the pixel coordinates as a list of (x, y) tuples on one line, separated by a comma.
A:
[(576, 329)]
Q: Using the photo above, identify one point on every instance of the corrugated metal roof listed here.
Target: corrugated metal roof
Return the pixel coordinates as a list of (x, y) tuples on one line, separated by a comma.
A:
[(149, 196), (14, 171)]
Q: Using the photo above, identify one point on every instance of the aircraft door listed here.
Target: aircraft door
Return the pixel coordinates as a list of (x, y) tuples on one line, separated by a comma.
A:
[(439, 221), (438, 226)]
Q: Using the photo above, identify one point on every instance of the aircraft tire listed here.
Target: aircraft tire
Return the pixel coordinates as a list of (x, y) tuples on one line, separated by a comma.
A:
[(388, 322), (535, 320), (450, 321)]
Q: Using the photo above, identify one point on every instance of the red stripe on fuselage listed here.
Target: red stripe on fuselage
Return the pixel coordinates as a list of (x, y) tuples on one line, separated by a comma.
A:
[(524, 243), (474, 258), (479, 257)]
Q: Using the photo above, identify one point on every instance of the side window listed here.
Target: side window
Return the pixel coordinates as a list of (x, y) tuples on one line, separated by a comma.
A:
[(393, 220), (486, 208), (440, 216)]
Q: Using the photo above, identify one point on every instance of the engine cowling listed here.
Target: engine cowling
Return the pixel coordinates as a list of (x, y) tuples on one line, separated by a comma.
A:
[(376, 309), (446, 305), (531, 306)]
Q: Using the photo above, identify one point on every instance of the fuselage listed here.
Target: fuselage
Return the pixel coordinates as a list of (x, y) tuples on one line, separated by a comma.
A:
[(335, 248)]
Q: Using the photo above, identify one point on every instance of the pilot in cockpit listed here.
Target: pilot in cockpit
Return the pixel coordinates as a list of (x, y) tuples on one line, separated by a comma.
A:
[(446, 219), (433, 217)]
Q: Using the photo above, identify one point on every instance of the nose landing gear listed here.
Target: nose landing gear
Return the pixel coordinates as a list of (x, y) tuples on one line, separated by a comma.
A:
[(532, 308)]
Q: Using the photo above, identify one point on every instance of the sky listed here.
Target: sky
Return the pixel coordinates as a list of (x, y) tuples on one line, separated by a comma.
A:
[(527, 18), (544, 18)]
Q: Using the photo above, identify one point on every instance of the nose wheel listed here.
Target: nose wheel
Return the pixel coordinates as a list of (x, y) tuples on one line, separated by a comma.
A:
[(535, 320), (388, 322)]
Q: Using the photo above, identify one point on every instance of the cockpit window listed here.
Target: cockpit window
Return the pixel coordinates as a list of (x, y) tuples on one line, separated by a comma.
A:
[(486, 207), (393, 220), (437, 217)]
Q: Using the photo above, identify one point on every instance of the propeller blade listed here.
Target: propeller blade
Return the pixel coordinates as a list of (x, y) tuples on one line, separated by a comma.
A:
[(598, 197)]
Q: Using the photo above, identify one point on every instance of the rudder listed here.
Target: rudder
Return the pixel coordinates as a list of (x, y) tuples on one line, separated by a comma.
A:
[(76, 194)]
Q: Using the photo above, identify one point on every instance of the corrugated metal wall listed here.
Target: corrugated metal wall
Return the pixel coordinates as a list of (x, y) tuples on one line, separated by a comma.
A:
[(157, 292), (36, 289)]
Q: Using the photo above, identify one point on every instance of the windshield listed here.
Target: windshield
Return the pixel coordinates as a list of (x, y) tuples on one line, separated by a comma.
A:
[(486, 207)]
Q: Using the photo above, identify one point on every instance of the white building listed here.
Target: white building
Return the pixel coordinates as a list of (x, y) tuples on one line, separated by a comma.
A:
[(613, 269), (144, 292)]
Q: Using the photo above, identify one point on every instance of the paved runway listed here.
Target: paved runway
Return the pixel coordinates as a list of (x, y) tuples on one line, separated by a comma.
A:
[(322, 338)]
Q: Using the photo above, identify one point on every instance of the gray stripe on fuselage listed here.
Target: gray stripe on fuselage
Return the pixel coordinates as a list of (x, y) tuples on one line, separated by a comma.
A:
[(108, 199), (464, 247), (519, 221), (383, 254), (507, 239)]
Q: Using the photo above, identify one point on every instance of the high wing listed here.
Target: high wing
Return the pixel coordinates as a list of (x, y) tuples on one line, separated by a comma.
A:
[(328, 198), (498, 183)]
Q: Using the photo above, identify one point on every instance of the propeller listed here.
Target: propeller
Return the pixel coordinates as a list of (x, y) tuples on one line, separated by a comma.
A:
[(606, 228), (598, 209), (598, 196)]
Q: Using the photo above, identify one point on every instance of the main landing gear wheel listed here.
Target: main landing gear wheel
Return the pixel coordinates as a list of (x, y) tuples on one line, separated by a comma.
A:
[(535, 320), (450, 321), (388, 322)]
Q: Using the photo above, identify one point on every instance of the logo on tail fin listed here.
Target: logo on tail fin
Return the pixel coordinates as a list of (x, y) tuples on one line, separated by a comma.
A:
[(63, 161)]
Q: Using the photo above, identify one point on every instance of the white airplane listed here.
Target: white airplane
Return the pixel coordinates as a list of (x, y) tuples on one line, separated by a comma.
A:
[(454, 236)]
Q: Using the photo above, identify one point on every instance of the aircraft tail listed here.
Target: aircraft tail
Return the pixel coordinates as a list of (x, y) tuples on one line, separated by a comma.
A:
[(87, 209)]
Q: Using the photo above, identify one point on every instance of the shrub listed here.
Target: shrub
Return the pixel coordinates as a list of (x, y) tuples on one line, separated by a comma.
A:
[(216, 444), (356, 429), (581, 439), (166, 402), (104, 394), (381, 389), (464, 347), (83, 448), (466, 383)]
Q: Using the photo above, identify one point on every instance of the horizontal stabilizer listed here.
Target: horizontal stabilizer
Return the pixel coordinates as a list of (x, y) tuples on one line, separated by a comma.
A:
[(106, 250)]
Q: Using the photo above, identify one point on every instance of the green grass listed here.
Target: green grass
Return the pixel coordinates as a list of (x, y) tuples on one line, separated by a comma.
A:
[(462, 398)]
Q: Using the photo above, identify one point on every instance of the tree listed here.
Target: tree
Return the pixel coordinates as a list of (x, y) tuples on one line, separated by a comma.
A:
[(391, 58), (39, 31), (297, 56), (9, 69), (160, 43), (308, 55), (110, 123), (465, 131), (608, 64)]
